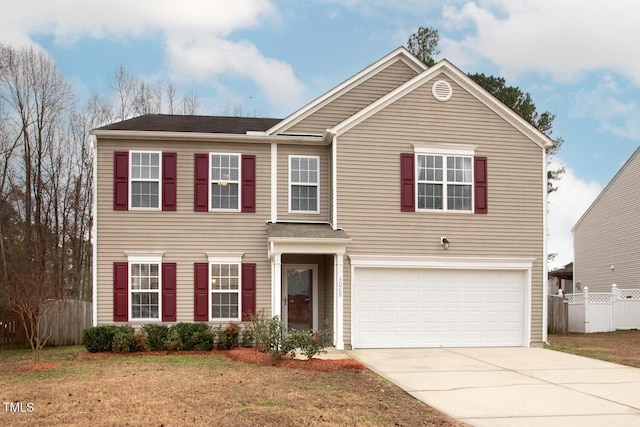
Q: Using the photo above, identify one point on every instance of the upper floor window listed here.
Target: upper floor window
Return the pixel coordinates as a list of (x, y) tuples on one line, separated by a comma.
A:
[(445, 182), (304, 184), (145, 179), (444, 178), (225, 182)]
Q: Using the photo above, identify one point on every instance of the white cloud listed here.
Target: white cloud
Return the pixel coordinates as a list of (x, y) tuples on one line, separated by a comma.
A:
[(614, 109), (566, 206), (193, 32), (203, 59), (562, 38)]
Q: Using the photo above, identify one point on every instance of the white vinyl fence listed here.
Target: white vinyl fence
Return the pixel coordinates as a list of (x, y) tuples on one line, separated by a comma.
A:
[(604, 311)]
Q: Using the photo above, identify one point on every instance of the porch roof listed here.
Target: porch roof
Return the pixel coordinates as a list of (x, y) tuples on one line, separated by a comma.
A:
[(306, 232)]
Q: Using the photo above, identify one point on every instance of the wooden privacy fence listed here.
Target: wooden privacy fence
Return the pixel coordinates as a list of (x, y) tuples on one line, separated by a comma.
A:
[(69, 317), (604, 311), (558, 315)]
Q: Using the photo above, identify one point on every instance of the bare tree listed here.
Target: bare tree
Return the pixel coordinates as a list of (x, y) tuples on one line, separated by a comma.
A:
[(31, 297)]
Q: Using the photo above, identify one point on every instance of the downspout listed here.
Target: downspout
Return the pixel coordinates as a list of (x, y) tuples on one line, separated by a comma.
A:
[(545, 267), (94, 230)]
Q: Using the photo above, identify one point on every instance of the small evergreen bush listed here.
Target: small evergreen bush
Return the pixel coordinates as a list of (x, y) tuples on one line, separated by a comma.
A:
[(99, 338), (157, 336)]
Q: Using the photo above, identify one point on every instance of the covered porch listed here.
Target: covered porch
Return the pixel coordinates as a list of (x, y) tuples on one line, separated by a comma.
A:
[(307, 267)]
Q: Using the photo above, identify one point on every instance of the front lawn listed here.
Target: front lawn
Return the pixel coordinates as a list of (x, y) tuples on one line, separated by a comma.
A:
[(621, 347), (204, 389)]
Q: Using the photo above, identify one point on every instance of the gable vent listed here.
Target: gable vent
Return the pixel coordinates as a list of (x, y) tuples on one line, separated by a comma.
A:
[(441, 90)]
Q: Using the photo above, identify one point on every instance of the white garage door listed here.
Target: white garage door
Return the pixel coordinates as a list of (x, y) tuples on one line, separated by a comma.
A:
[(432, 308)]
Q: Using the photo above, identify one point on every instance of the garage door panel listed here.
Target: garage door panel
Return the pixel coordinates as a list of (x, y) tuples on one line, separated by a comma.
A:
[(430, 308)]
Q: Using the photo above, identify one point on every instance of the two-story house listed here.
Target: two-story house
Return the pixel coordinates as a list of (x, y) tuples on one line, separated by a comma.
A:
[(403, 208)]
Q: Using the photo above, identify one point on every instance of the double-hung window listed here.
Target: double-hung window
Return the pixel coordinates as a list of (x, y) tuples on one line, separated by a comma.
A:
[(145, 179), (303, 184), (225, 290), (225, 182), (445, 182), (145, 289)]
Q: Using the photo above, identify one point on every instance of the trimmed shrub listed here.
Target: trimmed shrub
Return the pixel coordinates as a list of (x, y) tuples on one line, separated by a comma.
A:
[(228, 337), (308, 342), (127, 340), (99, 338), (157, 336), (190, 336)]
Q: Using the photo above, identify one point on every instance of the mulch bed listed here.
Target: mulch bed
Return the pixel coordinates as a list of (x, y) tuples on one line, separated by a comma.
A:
[(247, 355)]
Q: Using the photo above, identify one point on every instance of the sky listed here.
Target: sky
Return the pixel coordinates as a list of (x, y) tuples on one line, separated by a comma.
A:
[(577, 58)]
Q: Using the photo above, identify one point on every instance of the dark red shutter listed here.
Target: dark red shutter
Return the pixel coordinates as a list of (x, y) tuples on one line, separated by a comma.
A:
[(201, 183), (120, 292), (201, 292), (248, 183), (480, 184), (407, 183), (120, 180), (169, 181), (168, 291), (248, 290)]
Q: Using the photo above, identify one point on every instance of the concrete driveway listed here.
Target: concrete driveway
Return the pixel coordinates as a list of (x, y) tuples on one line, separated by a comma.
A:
[(513, 386)]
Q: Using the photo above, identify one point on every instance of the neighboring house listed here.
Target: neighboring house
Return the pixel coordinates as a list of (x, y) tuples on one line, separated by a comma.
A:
[(403, 208), (561, 278), (606, 239)]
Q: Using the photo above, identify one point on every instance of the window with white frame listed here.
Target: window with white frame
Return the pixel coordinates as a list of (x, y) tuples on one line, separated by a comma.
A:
[(145, 179), (144, 289), (445, 182), (224, 287), (225, 182), (304, 183)]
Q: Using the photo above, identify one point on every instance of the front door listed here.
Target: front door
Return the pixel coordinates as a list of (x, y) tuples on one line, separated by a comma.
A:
[(300, 290)]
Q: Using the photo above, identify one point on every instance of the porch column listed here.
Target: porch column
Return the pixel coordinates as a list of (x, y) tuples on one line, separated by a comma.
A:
[(276, 286), (338, 310)]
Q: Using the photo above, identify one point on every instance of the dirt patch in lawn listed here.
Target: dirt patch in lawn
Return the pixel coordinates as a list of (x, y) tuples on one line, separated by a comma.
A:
[(618, 347), (36, 367), (248, 355)]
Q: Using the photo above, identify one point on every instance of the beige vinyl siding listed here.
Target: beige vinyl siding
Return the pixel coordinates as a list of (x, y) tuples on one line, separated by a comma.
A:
[(286, 150), (513, 226), (183, 235), (609, 235), (355, 99)]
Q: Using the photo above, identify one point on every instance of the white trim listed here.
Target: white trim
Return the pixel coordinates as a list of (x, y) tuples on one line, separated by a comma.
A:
[(482, 263), (208, 137), (314, 292), (460, 78), (338, 283), (94, 231), (225, 257), (274, 182), (317, 185), (308, 246), (545, 263), (334, 182), (144, 259), (131, 179), (400, 53), (444, 183), (151, 256), (229, 181), (445, 149), (224, 260)]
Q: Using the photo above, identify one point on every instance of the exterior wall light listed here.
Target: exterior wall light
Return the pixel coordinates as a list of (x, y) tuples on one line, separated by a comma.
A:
[(444, 242)]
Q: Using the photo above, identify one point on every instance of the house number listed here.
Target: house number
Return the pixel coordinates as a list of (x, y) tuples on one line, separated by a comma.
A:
[(340, 287)]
